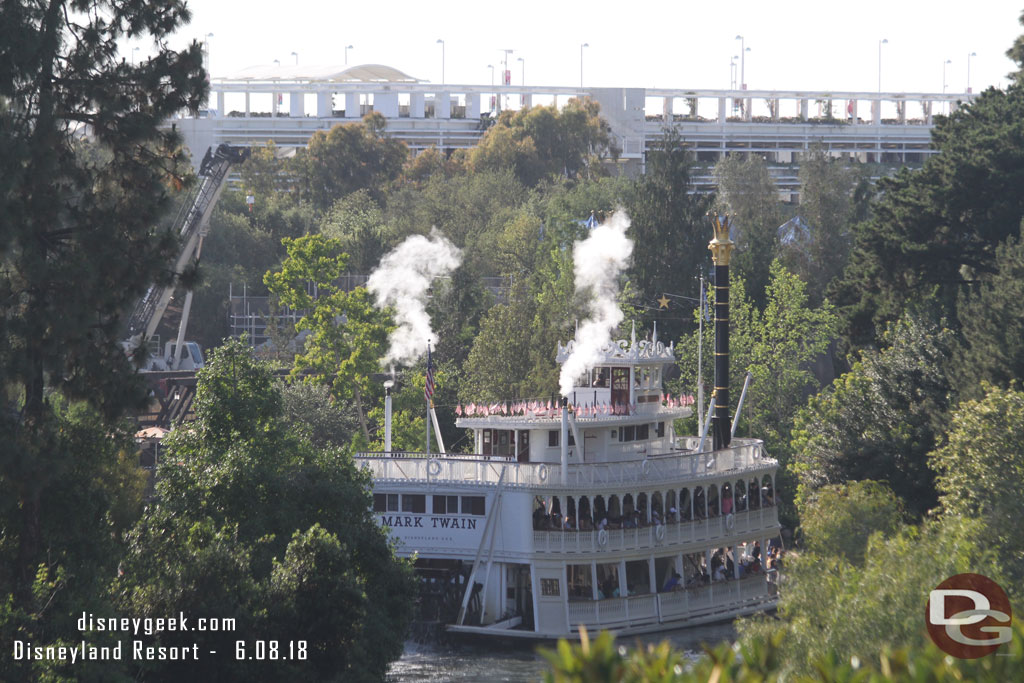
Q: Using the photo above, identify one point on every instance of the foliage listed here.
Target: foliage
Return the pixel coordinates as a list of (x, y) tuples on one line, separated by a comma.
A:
[(311, 411), (981, 473), (935, 229), (347, 158), (837, 520), (992, 325), (832, 195), (357, 222), (759, 660), (347, 334), (880, 420), (536, 142), (747, 192), (670, 232), (256, 524)]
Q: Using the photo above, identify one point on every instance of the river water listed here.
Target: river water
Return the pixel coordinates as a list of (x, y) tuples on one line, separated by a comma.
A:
[(465, 663)]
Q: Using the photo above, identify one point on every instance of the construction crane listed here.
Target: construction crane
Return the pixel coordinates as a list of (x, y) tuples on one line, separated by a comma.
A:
[(192, 224)]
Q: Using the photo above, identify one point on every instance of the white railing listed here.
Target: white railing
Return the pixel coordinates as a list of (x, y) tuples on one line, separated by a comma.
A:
[(765, 518), (479, 469), (721, 597)]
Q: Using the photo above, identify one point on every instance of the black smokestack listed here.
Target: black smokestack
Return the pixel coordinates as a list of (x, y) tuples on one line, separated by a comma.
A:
[(721, 250)]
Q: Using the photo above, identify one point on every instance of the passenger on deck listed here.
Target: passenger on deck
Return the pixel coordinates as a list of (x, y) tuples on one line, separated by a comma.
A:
[(727, 505), (672, 583)]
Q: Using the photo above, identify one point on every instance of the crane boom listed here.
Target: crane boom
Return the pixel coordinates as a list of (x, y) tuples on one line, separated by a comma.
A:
[(191, 224)]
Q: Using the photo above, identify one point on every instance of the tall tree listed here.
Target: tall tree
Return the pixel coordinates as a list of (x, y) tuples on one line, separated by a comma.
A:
[(347, 334), (747, 192), (670, 231), (87, 174)]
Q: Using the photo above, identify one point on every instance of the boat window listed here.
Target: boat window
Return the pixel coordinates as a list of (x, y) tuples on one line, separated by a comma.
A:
[(414, 502), (627, 433), (642, 432), (553, 440), (579, 580), (659, 429), (385, 502), (601, 376), (473, 505), (446, 505), (638, 577)]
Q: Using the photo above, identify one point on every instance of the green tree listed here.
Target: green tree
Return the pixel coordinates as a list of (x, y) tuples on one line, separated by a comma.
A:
[(936, 229), (992, 325), (347, 334), (670, 232), (312, 412), (981, 474), (256, 524), (882, 418), (747, 192), (357, 222), (77, 235), (839, 519), (831, 200), (347, 158)]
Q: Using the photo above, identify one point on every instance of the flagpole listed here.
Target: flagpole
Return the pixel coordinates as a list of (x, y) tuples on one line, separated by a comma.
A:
[(427, 421), (700, 356)]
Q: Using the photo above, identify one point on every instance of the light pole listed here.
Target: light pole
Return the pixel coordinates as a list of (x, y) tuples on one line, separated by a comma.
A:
[(944, 64), (743, 63), (973, 54), (206, 51), (732, 72), (277, 62), (347, 48), (441, 43), (491, 67), (581, 63), (296, 55), (506, 76), (883, 41), (522, 63)]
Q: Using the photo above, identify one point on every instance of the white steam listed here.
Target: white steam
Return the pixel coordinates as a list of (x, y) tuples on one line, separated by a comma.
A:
[(599, 260), (401, 281)]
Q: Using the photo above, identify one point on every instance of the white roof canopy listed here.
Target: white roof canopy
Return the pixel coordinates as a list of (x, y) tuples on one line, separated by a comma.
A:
[(362, 73)]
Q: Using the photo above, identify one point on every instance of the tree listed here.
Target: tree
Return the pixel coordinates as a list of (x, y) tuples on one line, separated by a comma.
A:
[(882, 418), (981, 473), (670, 231), (256, 524), (747, 192), (347, 334), (839, 519), (87, 174), (992, 325), (936, 229), (347, 158), (357, 222), (831, 200)]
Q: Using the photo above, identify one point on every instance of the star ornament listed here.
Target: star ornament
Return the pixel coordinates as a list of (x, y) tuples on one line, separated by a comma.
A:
[(662, 302)]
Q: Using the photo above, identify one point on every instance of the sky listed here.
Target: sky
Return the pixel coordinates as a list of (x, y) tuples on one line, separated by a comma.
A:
[(793, 45)]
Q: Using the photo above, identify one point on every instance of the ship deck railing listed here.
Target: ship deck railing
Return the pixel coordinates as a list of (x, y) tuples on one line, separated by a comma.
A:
[(763, 519), (692, 602), (747, 455)]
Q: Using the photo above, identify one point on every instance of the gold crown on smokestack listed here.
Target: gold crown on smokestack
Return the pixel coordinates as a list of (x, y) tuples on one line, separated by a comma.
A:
[(721, 247)]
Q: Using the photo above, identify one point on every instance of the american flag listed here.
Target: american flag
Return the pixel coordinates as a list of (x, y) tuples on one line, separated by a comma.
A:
[(428, 388)]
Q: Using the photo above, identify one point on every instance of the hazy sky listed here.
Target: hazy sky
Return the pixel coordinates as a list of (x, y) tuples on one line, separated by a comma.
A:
[(681, 44)]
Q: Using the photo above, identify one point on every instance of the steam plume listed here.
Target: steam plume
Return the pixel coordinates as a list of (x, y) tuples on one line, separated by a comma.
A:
[(598, 261), (401, 281)]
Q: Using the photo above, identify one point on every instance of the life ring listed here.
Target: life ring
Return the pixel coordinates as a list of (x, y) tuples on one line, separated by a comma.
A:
[(659, 533), (730, 521), (602, 538), (542, 473), (645, 467), (434, 467)]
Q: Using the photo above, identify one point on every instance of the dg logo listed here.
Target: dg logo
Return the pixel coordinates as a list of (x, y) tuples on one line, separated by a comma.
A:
[(968, 616)]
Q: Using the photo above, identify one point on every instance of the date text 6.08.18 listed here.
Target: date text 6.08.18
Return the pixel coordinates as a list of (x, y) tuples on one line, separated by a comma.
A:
[(271, 649)]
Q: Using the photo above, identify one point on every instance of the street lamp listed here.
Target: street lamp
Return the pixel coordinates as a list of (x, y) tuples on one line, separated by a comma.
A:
[(883, 41), (347, 48), (973, 54), (277, 62), (441, 43), (743, 63), (522, 63), (296, 55), (491, 67), (581, 63), (944, 64), (732, 72)]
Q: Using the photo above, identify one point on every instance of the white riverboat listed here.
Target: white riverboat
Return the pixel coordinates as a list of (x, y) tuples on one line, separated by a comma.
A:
[(590, 513)]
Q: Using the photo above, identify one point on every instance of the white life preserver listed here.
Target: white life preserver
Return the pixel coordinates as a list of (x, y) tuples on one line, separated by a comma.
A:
[(645, 467), (659, 533), (542, 473), (433, 467), (602, 538), (730, 521)]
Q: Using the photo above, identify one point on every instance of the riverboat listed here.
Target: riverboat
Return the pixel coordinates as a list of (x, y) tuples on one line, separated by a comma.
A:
[(589, 511)]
